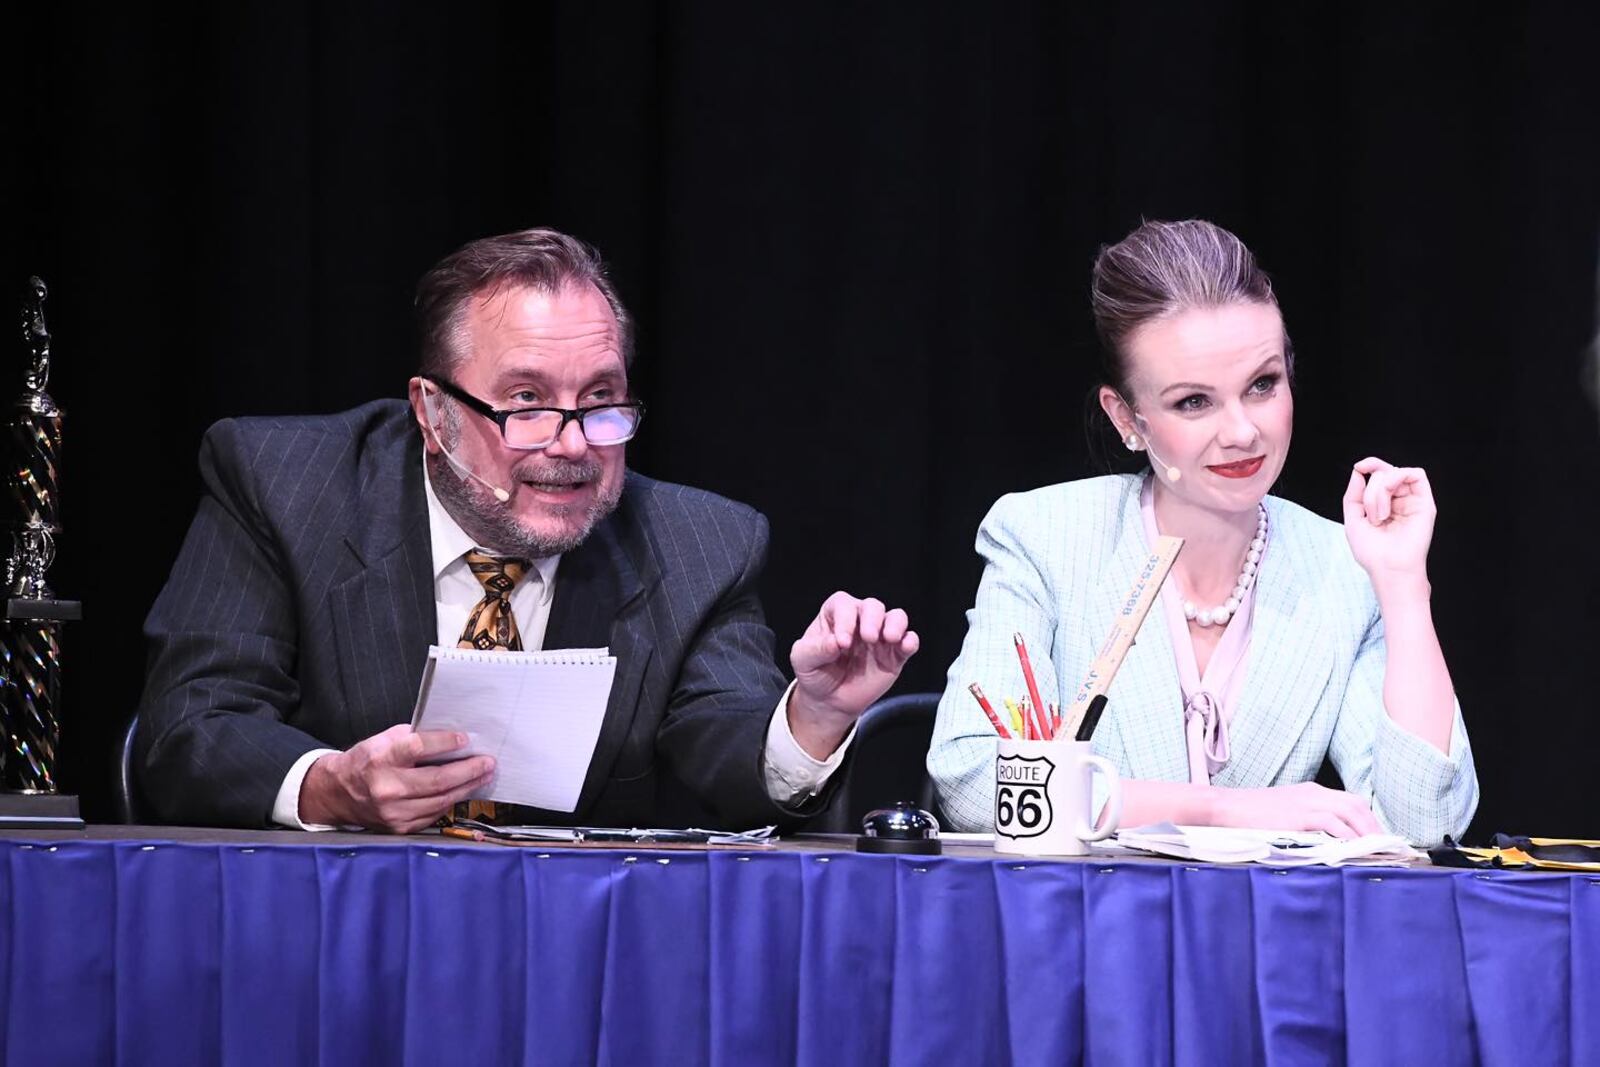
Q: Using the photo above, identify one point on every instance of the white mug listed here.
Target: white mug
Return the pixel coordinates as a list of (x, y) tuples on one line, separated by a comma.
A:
[(1043, 791)]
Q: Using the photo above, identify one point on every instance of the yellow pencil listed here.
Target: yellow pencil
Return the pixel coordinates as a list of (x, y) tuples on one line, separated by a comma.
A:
[(1016, 715)]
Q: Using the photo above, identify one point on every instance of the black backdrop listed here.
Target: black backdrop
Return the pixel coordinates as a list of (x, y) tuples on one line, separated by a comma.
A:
[(857, 240)]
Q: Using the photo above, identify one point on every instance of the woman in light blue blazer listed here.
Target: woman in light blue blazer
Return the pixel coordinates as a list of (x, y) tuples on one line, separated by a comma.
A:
[(1279, 638)]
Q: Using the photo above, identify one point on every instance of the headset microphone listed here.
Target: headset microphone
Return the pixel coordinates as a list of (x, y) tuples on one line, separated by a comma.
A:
[(460, 468), (1173, 473)]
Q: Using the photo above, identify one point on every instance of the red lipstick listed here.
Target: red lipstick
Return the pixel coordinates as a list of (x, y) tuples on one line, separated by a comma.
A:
[(1242, 469)]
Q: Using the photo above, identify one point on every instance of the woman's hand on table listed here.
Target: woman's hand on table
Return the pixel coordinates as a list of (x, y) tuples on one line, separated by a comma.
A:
[(1306, 806)]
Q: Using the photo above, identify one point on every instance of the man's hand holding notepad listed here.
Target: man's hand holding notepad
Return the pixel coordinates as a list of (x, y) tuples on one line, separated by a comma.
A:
[(537, 713)]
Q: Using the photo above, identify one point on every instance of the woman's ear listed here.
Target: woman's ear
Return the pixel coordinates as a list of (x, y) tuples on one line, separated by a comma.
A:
[(1120, 414)]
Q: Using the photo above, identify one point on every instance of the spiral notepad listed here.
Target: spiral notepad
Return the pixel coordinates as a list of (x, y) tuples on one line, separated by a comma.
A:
[(537, 713)]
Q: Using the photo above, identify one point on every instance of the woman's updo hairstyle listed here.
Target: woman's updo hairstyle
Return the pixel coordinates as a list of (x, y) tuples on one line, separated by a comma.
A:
[(1163, 268)]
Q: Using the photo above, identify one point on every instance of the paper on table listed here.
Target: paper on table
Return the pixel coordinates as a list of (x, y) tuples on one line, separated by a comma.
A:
[(1209, 844), (573, 835), (1287, 848), (1369, 850), (537, 713)]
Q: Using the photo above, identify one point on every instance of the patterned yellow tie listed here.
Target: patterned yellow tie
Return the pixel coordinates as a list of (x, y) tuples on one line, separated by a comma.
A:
[(490, 628)]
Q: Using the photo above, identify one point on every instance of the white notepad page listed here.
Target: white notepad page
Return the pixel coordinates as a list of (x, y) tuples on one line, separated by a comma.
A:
[(537, 713)]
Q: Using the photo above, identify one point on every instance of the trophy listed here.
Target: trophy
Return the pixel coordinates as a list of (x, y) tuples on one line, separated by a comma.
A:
[(30, 633)]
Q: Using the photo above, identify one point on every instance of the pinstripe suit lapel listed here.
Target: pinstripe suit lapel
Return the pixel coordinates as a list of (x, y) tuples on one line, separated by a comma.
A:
[(1288, 665), (599, 602), (383, 614), (1145, 703)]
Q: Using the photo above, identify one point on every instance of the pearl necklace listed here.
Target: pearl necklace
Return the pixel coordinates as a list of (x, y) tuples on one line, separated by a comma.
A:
[(1219, 615)]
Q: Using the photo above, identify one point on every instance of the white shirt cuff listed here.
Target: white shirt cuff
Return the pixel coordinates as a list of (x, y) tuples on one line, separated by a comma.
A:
[(792, 773), (286, 809)]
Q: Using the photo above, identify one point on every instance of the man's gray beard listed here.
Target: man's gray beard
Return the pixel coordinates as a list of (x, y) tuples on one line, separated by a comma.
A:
[(493, 526)]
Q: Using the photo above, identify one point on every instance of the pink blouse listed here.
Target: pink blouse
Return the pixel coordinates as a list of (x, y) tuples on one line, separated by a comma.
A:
[(1208, 701)]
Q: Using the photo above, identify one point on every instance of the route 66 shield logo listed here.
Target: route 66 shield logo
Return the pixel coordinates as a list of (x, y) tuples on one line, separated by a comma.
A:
[(1022, 796)]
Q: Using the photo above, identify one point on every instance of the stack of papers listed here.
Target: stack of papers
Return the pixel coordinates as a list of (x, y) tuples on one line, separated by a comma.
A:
[(1278, 848)]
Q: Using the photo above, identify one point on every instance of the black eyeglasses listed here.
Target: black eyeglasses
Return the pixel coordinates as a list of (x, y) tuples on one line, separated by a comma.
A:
[(534, 428)]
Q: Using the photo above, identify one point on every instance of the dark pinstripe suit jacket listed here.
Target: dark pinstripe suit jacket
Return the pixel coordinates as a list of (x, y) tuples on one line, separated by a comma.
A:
[(300, 610)]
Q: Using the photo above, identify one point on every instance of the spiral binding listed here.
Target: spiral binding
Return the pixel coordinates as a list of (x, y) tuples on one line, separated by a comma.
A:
[(555, 657)]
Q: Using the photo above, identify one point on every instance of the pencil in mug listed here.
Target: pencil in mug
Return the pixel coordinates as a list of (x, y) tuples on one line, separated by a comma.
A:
[(988, 709), (1028, 720), (1027, 676), (1016, 716), (1037, 727)]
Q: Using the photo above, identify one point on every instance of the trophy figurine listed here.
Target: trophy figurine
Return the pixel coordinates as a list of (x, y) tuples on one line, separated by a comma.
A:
[(30, 633)]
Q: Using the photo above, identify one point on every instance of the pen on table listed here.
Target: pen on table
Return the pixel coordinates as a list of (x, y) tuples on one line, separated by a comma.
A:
[(1027, 673), (988, 709), (1091, 717)]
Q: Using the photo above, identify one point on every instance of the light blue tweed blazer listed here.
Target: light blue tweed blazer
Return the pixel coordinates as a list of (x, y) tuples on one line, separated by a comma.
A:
[(1059, 560)]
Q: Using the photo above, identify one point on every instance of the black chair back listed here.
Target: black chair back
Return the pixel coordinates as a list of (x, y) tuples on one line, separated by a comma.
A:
[(888, 762), (125, 789)]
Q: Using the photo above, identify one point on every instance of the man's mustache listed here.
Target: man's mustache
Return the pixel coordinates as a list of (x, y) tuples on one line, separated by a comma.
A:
[(556, 472)]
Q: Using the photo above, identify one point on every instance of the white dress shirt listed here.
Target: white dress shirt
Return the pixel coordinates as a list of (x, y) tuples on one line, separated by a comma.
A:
[(791, 773)]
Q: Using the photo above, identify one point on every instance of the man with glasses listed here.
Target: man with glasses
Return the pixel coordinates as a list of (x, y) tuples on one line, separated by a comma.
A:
[(494, 511)]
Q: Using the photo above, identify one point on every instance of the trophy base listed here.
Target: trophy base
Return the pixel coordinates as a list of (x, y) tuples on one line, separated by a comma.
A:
[(47, 610), (39, 811)]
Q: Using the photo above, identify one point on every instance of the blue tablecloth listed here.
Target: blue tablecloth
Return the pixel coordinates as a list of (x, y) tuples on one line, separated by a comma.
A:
[(202, 953)]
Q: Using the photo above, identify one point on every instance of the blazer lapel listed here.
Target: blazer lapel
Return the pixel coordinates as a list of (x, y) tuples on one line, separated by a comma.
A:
[(1288, 665), (1144, 709), (598, 603), (383, 614)]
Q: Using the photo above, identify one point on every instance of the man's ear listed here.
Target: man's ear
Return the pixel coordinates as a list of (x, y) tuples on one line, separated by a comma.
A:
[(424, 398)]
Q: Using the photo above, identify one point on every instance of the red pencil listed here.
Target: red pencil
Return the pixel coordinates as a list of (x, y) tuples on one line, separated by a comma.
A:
[(1030, 715), (983, 702), (1027, 675)]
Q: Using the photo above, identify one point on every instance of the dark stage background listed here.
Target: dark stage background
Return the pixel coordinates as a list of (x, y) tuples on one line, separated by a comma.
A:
[(857, 240)]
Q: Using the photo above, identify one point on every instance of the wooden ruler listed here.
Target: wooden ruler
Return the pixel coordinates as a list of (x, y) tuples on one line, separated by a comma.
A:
[(1135, 606)]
